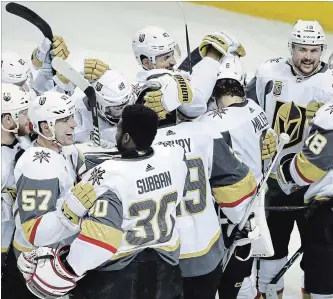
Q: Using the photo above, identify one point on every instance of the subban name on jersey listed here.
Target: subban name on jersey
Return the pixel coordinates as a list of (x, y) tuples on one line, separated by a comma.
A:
[(154, 182)]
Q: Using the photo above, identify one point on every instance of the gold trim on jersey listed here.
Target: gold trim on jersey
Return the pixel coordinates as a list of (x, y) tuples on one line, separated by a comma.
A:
[(21, 248), (307, 171), (170, 248), (204, 251), (289, 118), (4, 249), (233, 195), (101, 232), (12, 192)]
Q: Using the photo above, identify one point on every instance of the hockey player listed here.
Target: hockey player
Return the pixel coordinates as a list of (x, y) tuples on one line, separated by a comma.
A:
[(14, 121), (215, 173), (155, 51), (44, 212), (127, 240), (113, 93), (313, 167), (14, 124), (243, 124), (290, 92)]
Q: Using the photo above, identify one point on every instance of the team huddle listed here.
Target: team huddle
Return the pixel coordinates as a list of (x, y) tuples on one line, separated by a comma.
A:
[(190, 184)]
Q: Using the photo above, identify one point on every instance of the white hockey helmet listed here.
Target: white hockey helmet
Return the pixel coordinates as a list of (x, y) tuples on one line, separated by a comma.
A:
[(14, 100), (113, 93), (307, 33), (49, 107), (13, 68), (152, 41), (232, 68)]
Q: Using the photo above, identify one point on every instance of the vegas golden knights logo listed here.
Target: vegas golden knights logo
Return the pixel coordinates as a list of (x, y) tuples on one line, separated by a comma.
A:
[(289, 118)]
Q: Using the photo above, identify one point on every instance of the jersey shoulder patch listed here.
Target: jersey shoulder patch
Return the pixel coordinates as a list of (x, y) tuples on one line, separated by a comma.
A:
[(40, 163), (270, 66)]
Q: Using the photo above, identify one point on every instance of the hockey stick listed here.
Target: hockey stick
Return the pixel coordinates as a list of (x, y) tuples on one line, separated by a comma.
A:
[(33, 18), (283, 139), (72, 75), (193, 58), (271, 288), (289, 208), (187, 40)]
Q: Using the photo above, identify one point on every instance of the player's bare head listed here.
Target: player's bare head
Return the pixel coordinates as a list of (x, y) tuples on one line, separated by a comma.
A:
[(14, 116), (231, 80), (137, 128), (228, 88), (154, 48), (52, 117), (307, 46)]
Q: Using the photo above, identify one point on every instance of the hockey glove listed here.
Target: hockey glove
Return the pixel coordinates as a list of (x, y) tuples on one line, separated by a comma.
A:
[(311, 110), (152, 98), (63, 85), (26, 263), (94, 68), (284, 178), (223, 42), (77, 204), (241, 238), (154, 101), (59, 47), (51, 278), (41, 53), (269, 145)]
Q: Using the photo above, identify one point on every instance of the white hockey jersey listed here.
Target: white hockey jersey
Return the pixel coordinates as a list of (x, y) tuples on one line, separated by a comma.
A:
[(8, 192), (314, 164), (284, 97), (137, 196), (214, 171), (202, 82), (243, 126), (43, 177)]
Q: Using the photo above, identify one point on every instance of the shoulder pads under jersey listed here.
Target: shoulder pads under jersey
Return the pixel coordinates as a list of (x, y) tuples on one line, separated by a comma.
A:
[(269, 66), (40, 163)]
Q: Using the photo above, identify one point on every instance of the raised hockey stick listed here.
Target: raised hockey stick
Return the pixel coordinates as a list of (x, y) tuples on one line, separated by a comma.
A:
[(192, 59), (283, 140), (187, 40), (271, 288), (33, 18), (72, 75)]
